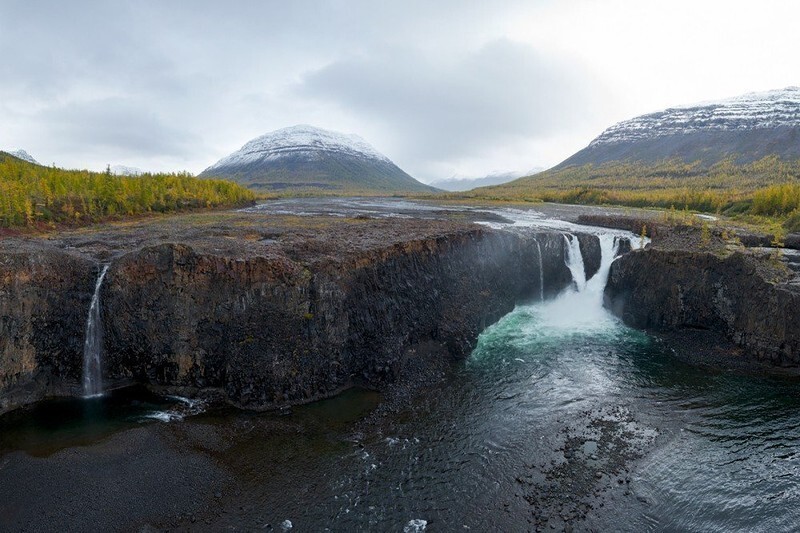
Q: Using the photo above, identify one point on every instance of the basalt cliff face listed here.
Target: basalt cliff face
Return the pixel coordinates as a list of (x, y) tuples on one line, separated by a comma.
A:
[(271, 318), (44, 294), (734, 296)]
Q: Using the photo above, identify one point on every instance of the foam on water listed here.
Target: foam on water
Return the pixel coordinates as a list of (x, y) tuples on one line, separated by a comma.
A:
[(577, 311), (185, 407)]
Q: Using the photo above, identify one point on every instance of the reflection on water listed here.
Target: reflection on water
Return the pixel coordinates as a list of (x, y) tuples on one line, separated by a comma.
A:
[(52, 425)]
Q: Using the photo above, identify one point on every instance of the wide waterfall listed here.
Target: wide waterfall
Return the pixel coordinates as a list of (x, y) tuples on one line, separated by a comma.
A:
[(93, 344), (580, 306)]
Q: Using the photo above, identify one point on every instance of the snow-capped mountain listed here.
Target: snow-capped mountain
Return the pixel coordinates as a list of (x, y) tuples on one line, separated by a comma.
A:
[(458, 183), (25, 156), (305, 157), (122, 170), (746, 127)]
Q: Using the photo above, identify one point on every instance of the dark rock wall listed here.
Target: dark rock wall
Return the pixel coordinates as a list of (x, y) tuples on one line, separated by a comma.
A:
[(44, 297), (272, 328), (270, 331), (675, 290)]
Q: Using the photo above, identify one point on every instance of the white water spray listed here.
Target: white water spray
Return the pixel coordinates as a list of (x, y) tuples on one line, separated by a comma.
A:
[(580, 308), (609, 245), (541, 272), (574, 261), (93, 345)]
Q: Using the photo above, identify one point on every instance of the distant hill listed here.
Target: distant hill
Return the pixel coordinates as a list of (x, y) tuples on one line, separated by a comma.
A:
[(25, 156), (457, 184), (305, 158), (745, 129), (122, 170)]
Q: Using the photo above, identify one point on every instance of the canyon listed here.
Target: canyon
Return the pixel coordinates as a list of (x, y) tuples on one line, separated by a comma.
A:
[(264, 311), (385, 340)]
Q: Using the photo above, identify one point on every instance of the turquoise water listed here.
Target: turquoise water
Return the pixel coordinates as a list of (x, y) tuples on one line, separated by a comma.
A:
[(553, 393)]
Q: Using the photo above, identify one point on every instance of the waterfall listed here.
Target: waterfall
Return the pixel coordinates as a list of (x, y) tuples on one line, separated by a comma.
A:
[(574, 261), (609, 245), (93, 345), (579, 308), (541, 272)]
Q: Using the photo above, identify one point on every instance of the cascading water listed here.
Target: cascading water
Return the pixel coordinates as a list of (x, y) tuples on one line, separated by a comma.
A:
[(609, 245), (574, 261), (580, 307), (541, 272), (93, 345)]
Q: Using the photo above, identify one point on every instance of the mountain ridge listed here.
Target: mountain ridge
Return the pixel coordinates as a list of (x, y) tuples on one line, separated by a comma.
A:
[(305, 157), (746, 127), (461, 184)]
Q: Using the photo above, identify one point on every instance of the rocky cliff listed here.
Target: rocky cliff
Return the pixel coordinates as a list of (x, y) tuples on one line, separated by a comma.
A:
[(741, 297), (266, 315), (44, 295)]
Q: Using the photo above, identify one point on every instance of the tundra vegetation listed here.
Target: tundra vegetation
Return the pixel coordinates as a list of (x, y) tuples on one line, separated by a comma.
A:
[(32, 194), (763, 191)]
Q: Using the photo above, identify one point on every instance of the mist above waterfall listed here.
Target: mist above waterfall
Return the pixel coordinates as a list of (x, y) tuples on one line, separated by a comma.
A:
[(577, 310)]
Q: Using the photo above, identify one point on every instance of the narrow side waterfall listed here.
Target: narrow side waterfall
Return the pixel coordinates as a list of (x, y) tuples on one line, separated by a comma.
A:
[(93, 345), (541, 271), (574, 261)]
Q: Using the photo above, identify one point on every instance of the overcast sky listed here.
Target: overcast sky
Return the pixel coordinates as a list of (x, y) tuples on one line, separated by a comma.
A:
[(443, 88)]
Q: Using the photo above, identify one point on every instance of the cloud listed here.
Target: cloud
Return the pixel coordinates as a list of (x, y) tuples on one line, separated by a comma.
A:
[(116, 125), (453, 107)]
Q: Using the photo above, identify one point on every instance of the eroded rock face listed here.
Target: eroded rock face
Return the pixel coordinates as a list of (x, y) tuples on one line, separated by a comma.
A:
[(272, 330), (266, 315), (44, 295), (685, 290)]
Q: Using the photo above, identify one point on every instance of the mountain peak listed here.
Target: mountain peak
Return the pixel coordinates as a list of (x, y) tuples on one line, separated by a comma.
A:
[(758, 110), (307, 157), (25, 156), (124, 170), (301, 139)]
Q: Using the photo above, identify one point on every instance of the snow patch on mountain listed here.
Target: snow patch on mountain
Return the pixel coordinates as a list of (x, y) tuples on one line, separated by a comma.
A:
[(751, 111), (303, 141), (457, 182), (122, 170), (25, 156)]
